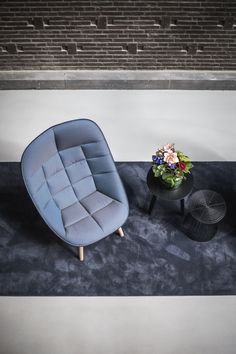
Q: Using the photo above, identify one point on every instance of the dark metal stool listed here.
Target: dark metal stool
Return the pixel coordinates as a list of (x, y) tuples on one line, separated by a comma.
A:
[(206, 209)]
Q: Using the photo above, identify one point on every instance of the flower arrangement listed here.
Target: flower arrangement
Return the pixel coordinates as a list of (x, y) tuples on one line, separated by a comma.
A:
[(170, 166)]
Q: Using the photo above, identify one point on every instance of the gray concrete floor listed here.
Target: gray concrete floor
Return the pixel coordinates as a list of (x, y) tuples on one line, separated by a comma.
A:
[(135, 122), (132, 325)]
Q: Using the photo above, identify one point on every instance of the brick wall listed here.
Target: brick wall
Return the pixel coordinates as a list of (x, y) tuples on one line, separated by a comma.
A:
[(118, 34)]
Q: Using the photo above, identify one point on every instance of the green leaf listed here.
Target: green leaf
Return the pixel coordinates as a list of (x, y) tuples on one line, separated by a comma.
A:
[(168, 177), (182, 157), (155, 170), (181, 173), (189, 165)]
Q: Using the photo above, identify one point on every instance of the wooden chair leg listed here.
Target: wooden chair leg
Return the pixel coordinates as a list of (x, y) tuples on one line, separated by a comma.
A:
[(121, 232), (81, 253)]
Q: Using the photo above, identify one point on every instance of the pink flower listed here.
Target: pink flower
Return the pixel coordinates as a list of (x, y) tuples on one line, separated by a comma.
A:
[(169, 148), (182, 165), (171, 157)]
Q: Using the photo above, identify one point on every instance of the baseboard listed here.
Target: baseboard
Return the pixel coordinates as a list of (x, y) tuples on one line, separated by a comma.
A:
[(118, 80)]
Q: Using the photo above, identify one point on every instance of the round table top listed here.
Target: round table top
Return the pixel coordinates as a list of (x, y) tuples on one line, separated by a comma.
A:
[(207, 207), (161, 192)]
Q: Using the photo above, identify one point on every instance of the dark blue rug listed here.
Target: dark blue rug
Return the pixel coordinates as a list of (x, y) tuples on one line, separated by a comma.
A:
[(155, 257)]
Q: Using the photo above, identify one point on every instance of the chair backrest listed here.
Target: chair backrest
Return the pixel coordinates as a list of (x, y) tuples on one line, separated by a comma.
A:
[(66, 163)]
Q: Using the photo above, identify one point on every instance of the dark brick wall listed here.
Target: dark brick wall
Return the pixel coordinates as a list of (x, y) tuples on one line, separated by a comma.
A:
[(118, 34)]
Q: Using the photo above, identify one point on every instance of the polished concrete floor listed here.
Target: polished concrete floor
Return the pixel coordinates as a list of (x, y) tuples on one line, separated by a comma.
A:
[(118, 325), (135, 122)]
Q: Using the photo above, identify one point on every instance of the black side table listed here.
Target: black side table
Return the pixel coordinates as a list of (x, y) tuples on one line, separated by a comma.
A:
[(159, 191), (206, 209)]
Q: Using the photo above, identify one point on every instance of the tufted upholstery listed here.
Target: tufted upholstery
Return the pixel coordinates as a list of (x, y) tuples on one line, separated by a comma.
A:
[(71, 177)]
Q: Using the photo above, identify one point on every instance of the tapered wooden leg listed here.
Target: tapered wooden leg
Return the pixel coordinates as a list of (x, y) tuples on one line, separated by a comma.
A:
[(121, 232), (81, 253)]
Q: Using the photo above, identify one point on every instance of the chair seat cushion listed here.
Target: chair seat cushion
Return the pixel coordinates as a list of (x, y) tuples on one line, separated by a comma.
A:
[(92, 218), (71, 177)]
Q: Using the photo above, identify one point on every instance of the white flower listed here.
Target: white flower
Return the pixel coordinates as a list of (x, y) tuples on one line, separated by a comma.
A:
[(171, 157), (169, 148)]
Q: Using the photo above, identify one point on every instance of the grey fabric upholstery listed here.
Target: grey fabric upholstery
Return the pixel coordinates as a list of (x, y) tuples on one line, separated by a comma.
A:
[(71, 177)]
